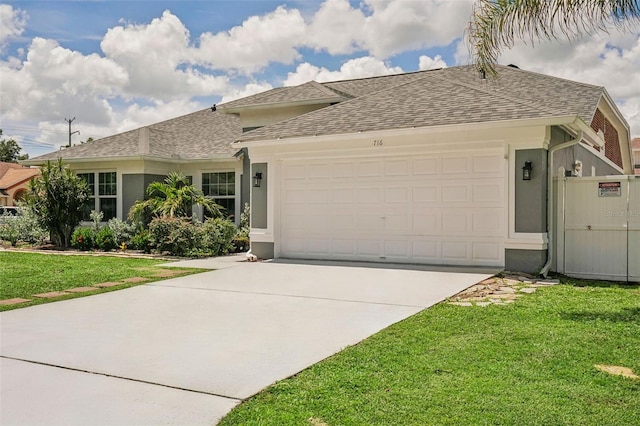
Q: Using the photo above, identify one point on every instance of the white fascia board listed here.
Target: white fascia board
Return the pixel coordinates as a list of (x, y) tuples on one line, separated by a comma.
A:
[(213, 158), (503, 124)]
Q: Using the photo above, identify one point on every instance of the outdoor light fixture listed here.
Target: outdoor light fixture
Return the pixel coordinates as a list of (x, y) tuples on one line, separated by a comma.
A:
[(257, 179), (526, 170)]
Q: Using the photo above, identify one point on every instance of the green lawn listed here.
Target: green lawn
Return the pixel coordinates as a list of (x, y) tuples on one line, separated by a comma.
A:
[(528, 363), (25, 274)]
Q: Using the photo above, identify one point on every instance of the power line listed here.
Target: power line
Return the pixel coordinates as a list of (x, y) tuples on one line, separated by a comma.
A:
[(32, 129)]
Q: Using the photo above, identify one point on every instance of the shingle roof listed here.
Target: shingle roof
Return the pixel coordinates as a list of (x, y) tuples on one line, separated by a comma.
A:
[(420, 99), (440, 97), (199, 135), (307, 92), (15, 176)]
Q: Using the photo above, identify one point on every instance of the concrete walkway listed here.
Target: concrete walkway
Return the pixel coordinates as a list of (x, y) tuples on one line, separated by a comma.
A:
[(187, 350)]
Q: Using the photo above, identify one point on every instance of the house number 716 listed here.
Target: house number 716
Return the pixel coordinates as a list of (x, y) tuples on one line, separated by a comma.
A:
[(377, 142)]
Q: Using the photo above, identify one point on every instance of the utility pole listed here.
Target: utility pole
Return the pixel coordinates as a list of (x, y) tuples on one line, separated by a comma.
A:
[(70, 132)]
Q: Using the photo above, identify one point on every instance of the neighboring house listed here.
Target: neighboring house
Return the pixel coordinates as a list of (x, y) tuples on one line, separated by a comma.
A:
[(437, 167), (635, 146), (14, 182)]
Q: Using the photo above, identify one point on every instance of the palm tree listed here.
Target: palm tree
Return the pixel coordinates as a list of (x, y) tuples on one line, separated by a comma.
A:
[(496, 24), (172, 198)]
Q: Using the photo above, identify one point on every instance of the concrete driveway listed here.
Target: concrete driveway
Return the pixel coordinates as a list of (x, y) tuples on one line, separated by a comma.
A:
[(187, 350)]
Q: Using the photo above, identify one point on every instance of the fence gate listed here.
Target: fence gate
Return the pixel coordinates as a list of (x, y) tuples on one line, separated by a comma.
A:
[(598, 228)]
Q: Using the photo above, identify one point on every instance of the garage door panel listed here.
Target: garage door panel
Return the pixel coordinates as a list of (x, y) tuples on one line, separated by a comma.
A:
[(396, 195), (425, 194), (455, 250), (369, 248), (369, 195), (426, 167), (426, 250), (370, 168), (456, 193), (438, 209), (427, 223), (455, 165), (488, 192), (394, 168)]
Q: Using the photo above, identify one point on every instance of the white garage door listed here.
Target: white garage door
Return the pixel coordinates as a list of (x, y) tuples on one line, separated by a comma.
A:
[(441, 209)]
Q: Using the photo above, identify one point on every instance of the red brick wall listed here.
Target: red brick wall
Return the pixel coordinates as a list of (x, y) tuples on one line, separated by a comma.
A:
[(611, 143)]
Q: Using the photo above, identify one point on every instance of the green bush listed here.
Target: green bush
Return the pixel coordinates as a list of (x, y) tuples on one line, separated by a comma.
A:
[(141, 241), (106, 239), (217, 236), (23, 227), (122, 231), (83, 238), (183, 237), (177, 236)]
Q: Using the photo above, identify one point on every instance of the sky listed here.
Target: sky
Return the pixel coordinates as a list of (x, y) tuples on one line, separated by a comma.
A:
[(114, 66)]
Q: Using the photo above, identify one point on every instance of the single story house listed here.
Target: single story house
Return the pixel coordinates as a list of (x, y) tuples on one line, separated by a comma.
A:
[(441, 167), (14, 182)]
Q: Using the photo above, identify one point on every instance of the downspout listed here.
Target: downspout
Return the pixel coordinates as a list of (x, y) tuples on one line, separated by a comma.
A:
[(550, 205)]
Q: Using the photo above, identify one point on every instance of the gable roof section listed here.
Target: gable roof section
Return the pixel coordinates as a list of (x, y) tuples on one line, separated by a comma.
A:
[(16, 176), (440, 97), (200, 135), (304, 94)]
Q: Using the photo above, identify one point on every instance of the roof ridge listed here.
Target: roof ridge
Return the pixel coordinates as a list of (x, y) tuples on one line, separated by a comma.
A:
[(373, 77)]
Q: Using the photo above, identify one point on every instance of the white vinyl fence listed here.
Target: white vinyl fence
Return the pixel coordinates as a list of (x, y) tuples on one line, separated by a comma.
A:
[(598, 227)]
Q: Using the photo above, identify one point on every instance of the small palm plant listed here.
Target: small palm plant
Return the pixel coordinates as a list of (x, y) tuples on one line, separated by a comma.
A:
[(174, 197)]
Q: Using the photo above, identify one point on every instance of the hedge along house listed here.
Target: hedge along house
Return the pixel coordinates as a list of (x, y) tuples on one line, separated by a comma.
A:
[(119, 168), (437, 167)]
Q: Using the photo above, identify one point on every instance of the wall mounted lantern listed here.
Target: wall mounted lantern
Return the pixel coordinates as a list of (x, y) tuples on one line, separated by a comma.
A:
[(257, 179), (526, 170)]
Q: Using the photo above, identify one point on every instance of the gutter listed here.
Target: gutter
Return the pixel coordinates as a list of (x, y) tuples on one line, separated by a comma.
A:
[(550, 204)]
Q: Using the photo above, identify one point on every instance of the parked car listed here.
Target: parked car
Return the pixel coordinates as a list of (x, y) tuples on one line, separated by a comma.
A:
[(9, 212)]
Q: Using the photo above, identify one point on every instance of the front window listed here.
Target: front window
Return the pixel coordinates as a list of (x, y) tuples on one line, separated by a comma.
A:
[(103, 196), (222, 188)]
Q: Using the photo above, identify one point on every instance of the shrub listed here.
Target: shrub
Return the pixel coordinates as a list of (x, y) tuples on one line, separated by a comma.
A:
[(182, 237), (23, 227), (105, 239), (122, 231), (141, 241), (177, 236), (58, 198), (217, 236), (240, 243), (83, 238)]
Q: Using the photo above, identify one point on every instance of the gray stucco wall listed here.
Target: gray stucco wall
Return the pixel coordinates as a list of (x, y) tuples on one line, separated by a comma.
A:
[(245, 187), (259, 197), (531, 195), (262, 250), (529, 261), (568, 156), (133, 189)]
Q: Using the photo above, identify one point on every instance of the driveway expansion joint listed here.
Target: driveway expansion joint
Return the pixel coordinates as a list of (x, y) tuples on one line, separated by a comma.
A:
[(113, 376), (294, 295)]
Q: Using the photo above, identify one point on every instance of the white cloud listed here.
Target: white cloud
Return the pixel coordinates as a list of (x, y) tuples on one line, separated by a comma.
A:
[(54, 82), (137, 115), (353, 68), (156, 58), (12, 23), (247, 90), (427, 63), (259, 41), (608, 60), (384, 28)]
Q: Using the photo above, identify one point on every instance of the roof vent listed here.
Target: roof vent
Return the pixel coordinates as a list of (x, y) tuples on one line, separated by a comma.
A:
[(513, 66)]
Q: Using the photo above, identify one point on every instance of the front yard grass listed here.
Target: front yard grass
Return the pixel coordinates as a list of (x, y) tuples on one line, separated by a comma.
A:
[(24, 274), (528, 363)]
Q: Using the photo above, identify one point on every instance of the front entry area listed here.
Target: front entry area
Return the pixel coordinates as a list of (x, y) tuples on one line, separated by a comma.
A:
[(441, 209)]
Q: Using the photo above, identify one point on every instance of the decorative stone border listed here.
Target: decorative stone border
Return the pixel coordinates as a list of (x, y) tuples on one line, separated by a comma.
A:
[(499, 290)]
